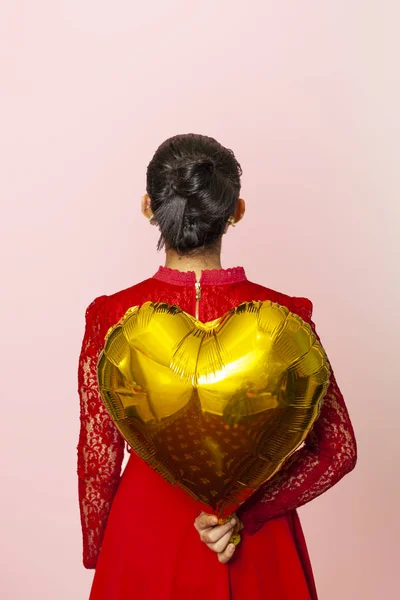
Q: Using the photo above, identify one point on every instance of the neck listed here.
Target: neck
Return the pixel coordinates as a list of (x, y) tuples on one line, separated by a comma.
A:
[(195, 262)]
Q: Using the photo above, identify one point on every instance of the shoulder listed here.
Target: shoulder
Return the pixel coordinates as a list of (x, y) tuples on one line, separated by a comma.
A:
[(95, 307), (132, 293), (303, 307), (300, 305), (102, 304)]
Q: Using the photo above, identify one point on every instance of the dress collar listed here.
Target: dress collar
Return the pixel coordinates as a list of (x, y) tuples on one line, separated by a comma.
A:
[(208, 276)]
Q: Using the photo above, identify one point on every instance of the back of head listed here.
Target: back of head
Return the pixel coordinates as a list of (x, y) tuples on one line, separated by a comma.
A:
[(194, 184)]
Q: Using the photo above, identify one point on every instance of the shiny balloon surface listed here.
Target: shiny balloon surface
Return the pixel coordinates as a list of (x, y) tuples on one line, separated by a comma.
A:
[(215, 408)]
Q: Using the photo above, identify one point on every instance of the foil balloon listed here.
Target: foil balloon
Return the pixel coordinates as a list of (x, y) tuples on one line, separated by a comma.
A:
[(215, 408)]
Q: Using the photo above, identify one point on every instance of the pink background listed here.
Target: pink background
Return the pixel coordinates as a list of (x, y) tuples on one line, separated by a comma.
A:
[(301, 92)]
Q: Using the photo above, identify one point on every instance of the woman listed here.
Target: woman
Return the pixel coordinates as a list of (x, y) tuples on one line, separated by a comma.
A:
[(153, 542)]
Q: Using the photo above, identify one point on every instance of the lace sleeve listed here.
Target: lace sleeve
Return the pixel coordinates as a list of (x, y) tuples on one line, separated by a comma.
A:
[(100, 447), (328, 453)]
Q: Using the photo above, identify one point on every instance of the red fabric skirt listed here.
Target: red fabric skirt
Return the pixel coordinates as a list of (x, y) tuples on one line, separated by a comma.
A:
[(151, 550)]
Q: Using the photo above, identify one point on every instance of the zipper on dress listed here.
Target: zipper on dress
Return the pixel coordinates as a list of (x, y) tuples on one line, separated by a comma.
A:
[(198, 298)]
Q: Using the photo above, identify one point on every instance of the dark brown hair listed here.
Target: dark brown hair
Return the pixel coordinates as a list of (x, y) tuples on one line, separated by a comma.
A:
[(194, 184)]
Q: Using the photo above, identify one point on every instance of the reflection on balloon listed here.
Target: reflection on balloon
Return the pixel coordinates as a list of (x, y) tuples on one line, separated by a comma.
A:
[(215, 408)]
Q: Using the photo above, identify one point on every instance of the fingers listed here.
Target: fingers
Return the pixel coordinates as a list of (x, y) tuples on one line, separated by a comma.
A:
[(225, 556), (205, 521), (217, 537), (213, 535), (239, 522), (221, 544)]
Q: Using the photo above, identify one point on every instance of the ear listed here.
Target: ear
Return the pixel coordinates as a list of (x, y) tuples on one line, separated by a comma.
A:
[(239, 210), (146, 206), (238, 213)]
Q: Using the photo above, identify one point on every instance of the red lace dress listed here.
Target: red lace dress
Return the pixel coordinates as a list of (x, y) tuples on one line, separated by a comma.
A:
[(138, 530)]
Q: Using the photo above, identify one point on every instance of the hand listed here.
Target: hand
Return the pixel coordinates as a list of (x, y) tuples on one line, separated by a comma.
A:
[(217, 537)]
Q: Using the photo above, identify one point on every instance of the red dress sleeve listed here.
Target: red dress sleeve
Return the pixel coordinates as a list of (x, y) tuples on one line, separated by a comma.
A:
[(100, 447), (328, 453)]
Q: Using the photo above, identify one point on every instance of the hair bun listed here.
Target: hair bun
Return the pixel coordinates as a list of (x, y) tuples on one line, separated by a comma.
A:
[(206, 163), (191, 176), (194, 184)]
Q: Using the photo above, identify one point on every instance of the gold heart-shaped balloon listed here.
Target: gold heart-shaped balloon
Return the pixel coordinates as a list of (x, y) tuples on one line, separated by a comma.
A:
[(216, 407)]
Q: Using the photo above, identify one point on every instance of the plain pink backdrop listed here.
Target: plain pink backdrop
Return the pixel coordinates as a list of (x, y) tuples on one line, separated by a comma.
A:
[(307, 95)]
